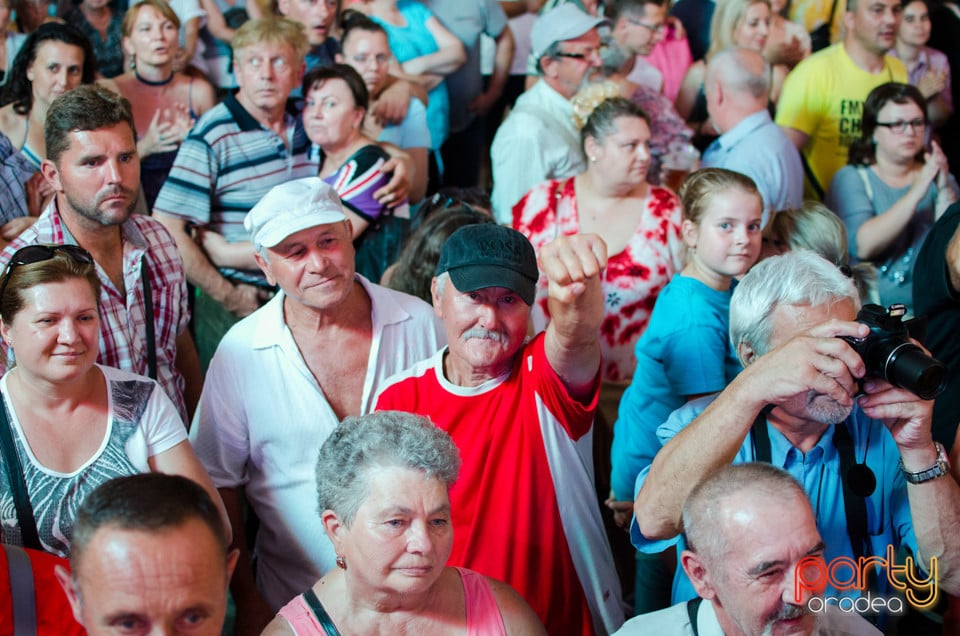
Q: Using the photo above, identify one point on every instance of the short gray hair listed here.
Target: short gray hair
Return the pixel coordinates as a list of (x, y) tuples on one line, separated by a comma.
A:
[(733, 69), (703, 511), (381, 439), (799, 277)]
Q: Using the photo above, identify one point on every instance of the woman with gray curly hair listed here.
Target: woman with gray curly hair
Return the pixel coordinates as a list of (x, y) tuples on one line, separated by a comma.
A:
[(383, 481)]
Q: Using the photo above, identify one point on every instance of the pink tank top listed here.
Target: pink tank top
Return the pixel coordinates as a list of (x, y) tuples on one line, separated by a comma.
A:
[(483, 615)]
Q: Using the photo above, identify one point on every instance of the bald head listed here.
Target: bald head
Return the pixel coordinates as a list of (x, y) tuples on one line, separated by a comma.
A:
[(713, 507), (742, 72)]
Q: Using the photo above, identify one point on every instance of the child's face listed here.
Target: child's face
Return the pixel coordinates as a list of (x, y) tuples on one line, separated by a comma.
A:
[(726, 242)]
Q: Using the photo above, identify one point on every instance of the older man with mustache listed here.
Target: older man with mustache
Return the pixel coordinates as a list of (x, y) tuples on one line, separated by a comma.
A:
[(522, 413)]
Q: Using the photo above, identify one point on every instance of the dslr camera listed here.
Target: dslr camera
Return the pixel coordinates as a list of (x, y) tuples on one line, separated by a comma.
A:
[(888, 353)]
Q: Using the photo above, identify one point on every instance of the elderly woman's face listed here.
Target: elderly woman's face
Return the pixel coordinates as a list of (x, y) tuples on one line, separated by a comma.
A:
[(56, 69), (402, 533), (331, 117), (56, 334)]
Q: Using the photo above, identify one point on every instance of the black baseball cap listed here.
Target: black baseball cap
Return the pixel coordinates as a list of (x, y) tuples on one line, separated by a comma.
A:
[(489, 255)]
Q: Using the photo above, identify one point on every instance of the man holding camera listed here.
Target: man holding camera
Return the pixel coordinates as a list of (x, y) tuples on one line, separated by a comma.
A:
[(868, 462)]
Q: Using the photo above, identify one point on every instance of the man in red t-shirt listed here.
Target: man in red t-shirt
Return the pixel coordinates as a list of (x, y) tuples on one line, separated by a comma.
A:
[(524, 509)]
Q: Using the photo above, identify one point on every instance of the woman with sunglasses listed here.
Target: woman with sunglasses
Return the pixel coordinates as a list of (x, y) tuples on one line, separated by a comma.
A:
[(893, 189), (73, 424)]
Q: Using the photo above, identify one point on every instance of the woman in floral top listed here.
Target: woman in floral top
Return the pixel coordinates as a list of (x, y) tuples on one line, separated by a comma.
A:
[(639, 222)]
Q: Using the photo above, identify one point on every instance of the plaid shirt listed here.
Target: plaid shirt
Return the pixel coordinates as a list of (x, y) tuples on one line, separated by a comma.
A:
[(123, 335)]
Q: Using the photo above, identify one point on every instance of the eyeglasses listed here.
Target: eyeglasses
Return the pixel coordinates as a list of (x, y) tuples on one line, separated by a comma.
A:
[(574, 56), (38, 253), (653, 29), (899, 127)]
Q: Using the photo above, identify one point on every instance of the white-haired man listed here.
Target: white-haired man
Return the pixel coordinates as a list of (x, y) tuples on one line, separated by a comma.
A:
[(283, 378), (868, 462)]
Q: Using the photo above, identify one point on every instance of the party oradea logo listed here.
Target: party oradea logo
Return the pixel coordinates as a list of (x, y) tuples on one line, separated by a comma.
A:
[(813, 575)]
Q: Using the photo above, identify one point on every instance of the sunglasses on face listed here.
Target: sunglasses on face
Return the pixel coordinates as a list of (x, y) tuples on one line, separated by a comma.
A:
[(38, 253)]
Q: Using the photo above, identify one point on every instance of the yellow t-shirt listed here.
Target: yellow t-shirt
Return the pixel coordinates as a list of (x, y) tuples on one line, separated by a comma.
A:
[(823, 97)]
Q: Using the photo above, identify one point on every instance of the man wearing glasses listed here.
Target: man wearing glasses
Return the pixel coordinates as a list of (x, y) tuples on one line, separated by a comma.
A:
[(539, 141), (637, 26)]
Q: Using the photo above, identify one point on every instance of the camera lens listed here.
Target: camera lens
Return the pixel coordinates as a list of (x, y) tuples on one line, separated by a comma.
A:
[(910, 368)]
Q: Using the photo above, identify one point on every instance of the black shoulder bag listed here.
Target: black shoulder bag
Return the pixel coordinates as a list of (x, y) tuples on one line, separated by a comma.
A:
[(18, 486)]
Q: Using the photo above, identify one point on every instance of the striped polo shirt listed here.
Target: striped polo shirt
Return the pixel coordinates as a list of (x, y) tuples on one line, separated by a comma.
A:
[(226, 164)]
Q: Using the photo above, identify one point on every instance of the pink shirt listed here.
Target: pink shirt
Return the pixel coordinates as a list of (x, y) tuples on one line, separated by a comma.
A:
[(483, 615)]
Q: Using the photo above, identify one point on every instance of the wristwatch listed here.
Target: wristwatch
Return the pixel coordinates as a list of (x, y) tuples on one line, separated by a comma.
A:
[(940, 469)]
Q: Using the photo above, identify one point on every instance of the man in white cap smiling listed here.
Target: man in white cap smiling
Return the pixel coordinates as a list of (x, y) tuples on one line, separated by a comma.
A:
[(283, 378), (539, 141)]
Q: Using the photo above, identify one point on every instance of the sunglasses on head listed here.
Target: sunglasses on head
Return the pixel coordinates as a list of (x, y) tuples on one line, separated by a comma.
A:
[(38, 253)]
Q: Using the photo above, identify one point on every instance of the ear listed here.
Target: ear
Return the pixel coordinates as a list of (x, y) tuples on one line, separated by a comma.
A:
[(849, 17), (232, 557), (66, 582), (696, 571), (746, 353), (358, 119), (549, 66), (127, 46), (690, 233), (334, 527), (52, 175), (435, 294), (590, 146), (264, 267), (4, 330)]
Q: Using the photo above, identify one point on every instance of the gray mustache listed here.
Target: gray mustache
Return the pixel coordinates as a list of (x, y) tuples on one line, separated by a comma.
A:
[(483, 334)]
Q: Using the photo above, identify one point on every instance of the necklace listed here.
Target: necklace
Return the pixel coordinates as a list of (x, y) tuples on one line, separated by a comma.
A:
[(162, 82)]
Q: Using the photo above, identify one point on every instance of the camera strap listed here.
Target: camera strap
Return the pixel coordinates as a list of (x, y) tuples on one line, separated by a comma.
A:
[(854, 505)]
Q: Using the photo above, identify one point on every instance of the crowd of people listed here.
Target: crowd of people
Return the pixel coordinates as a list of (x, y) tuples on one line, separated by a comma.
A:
[(477, 316)]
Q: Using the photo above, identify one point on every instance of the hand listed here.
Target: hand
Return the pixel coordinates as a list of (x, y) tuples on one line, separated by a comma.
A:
[(243, 300), (815, 361), (622, 512), (214, 245), (167, 130), (482, 103), (908, 417), (14, 227), (398, 188), (569, 262), (39, 192), (937, 155), (788, 52), (934, 164), (932, 83), (673, 23), (392, 104)]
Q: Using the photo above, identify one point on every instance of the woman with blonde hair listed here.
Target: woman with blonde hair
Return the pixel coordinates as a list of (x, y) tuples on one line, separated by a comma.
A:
[(736, 23), (813, 226)]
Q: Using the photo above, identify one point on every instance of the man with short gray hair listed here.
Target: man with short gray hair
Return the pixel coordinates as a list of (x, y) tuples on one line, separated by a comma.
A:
[(749, 528), (865, 456), (538, 140), (737, 86), (284, 377)]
